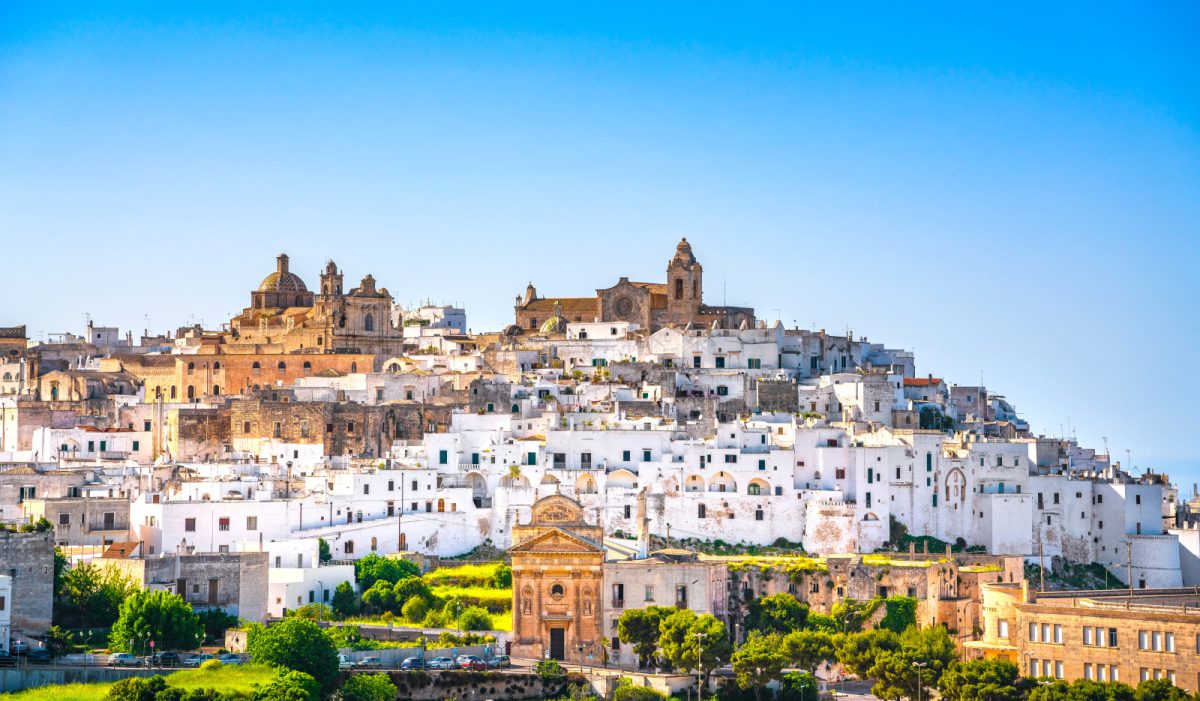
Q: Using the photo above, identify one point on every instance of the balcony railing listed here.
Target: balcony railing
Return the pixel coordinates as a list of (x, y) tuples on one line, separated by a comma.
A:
[(618, 603)]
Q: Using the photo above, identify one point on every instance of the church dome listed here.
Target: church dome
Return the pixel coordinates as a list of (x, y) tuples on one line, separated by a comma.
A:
[(555, 324), (281, 280)]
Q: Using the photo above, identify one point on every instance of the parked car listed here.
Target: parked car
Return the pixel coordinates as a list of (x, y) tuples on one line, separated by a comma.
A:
[(166, 659), (370, 663), (441, 663), (197, 659), (17, 647), (499, 661), (39, 655), (413, 663), (124, 659), (344, 662), (230, 658), (470, 662)]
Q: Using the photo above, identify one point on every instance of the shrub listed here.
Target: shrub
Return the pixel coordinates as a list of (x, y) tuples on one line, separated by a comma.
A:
[(368, 687), (136, 689), (289, 686), (415, 609), (627, 692), (475, 618), (297, 644), (210, 665), (550, 670), (502, 578)]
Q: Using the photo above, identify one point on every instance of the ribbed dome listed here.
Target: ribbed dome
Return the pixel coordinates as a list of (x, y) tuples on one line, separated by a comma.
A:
[(281, 280)]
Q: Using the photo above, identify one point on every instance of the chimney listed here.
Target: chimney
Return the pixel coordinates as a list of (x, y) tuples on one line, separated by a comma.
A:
[(643, 527)]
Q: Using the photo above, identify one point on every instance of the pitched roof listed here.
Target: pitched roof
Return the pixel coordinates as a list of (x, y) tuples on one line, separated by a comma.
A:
[(569, 304)]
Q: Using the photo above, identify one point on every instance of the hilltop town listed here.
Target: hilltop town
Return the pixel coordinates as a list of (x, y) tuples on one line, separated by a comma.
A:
[(627, 447)]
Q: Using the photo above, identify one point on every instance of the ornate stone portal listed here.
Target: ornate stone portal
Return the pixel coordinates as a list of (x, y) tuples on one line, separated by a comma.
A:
[(557, 563)]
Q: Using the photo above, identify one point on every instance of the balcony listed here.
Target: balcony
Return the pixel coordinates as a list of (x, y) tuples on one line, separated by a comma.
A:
[(618, 603)]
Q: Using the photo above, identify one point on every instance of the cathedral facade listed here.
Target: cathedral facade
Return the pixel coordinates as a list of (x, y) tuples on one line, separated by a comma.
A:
[(652, 305), (284, 316)]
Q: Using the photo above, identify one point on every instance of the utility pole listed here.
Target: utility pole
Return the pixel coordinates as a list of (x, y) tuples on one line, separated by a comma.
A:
[(1041, 567), (920, 666), (699, 664), (400, 519)]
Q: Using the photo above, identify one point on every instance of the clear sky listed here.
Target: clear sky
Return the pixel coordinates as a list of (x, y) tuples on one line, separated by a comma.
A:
[(1011, 191)]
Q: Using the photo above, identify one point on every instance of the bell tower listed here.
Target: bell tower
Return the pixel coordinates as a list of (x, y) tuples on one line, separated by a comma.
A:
[(685, 285), (331, 282)]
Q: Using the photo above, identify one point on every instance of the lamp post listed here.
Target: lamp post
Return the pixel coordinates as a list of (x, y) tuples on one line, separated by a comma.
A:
[(920, 666), (699, 664)]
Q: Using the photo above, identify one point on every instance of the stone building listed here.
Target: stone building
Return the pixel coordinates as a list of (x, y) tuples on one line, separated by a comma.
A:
[(1113, 635), (83, 520), (18, 365), (234, 582), (285, 317), (557, 563), (652, 305), (28, 559)]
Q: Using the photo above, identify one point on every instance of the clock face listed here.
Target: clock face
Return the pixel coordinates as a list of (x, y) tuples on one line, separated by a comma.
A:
[(624, 307)]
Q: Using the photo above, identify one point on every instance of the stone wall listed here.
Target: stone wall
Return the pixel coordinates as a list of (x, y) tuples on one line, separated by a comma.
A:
[(29, 559)]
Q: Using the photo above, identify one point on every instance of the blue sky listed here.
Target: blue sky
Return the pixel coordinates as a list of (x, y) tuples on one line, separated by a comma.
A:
[(1012, 191)]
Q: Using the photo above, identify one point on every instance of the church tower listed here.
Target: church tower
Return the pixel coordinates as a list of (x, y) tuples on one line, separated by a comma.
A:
[(685, 285), (331, 282)]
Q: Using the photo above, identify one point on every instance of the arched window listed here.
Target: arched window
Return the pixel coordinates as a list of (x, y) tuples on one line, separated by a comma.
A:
[(191, 392), (557, 590), (695, 289), (348, 548), (172, 391), (191, 366), (216, 391), (158, 392), (353, 367), (307, 367), (255, 365), (516, 408), (217, 365), (54, 392), (282, 365), (369, 323), (8, 377), (679, 288)]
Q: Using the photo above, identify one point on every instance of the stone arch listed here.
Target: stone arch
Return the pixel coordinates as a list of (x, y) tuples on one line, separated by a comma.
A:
[(693, 483), (549, 479), (622, 479), (722, 482), (870, 517), (956, 486), (585, 485), (758, 487), (514, 482)]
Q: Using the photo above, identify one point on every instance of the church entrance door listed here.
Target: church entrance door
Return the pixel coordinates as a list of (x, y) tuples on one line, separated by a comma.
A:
[(557, 643)]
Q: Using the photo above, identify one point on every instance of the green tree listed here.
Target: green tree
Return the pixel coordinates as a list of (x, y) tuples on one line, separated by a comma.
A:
[(408, 587), (981, 680), (900, 614), (1049, 691), (372, 568), (289, 686), (475, 618), (380, 597), (849, 615), (61, 565), (324, 552), (59, 642), (798, 686), (160, 616), (368, 687), (502, 577), (692, 642), (1159, 690), (345, 601), (923, 655), (629, 692), (298, 644), (758, 661), (858, 651), (807, 649), (777, 613), (640, 628), (313, 612), (415, 609), (91, 596), (1089, 690), (215, 623)]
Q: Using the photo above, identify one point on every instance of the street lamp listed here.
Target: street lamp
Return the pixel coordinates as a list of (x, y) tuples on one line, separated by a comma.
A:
[(699, 664), (920, 666)]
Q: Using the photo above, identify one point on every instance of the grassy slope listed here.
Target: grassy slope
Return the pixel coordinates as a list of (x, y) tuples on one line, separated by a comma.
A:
[(229, 678)]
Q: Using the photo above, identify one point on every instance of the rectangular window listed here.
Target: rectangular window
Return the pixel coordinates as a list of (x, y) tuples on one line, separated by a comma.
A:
[(1058, 669), (252, 523), (1058, 633), (1143, 640), (443, 457), (189, 524), (1169, 642), (1033, 632), (649, 593), (1112, 639), (64, 519), (1087, 635), (645, 456), (245, 427), (1045, 632), (223, 523), (137, 445), (1087, 670), (625, 455), (1003, 629), (762, 465)]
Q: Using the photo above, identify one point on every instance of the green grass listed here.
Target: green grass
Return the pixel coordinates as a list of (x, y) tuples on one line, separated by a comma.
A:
[(485, 596), (227, 678), (463, 575)]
